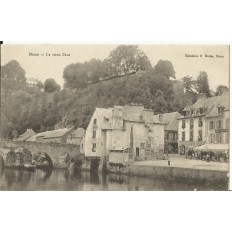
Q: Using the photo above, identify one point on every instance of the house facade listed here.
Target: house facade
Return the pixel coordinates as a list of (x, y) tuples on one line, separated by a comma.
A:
[(123, 134), (170, 130), (204, 122)]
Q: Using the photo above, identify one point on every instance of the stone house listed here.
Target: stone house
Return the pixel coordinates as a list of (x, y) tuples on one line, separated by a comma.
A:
[(75, 136), (123, 134), (25, 136), (204, 122), (170, 130), (54, 136)]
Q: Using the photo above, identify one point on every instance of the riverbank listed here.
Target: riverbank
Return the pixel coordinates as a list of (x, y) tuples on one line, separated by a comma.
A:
[(179, 168)]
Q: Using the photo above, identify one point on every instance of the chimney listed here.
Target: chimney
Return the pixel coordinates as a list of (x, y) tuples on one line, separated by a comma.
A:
[(161, 117), (202, 96), (117, 119)]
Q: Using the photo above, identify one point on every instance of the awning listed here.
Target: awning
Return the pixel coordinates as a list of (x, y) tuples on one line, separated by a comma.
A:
[(212, 147)]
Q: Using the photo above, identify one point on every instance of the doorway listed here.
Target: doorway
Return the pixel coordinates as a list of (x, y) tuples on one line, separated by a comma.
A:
[(137, 151)]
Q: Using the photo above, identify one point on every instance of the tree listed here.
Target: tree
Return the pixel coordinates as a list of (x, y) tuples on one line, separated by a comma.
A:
[(75, 76), (127, 59), (165, 68), (190, 85), (13, 70), (200, 85), (203, 84), (221, 89), (51, 86), (160, 103)]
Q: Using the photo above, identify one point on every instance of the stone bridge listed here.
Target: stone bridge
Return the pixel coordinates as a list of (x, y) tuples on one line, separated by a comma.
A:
[(60, 154)]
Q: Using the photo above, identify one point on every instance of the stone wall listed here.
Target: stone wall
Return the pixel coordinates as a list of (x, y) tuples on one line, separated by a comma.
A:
[(60, 154), (170, 172)]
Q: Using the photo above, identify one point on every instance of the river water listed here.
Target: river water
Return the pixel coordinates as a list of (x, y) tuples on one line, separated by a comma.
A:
[(63, 180)]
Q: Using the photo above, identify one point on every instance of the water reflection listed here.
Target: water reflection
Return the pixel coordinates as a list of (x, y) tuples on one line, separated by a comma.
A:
[(65, 180)]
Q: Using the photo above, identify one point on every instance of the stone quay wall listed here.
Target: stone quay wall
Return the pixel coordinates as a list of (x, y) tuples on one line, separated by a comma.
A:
[(170, 172)]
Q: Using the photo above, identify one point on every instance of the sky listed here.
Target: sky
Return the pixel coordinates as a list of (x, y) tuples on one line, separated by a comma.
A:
[(181, 56)]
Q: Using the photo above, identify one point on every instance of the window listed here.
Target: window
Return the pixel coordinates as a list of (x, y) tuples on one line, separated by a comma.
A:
[(183, 136), (192, 111), (183, 124), (191, 136), (94, 134), (142, 145), (174, 136), (227, 137), (191, 123), (200, 122), (218, 138), (170, 137), (227, 123), (211, 125), (220, 109), (199, 135), (212, 138), (82, 146), (219, 124), (95, 121), (94, 146), (201, 110)]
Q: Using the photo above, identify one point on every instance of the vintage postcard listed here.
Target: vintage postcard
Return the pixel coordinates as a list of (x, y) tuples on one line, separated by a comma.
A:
[(114, 117)]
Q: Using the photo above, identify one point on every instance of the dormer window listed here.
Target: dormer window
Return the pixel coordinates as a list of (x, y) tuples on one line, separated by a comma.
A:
[(95, 121)]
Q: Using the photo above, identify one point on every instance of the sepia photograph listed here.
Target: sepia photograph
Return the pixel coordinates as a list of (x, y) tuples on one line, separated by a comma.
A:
[(114, 117)]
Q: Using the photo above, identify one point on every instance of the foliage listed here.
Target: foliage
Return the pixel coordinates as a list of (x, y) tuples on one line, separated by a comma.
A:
[(128, 59), (165, 68), (125, 59), (221, 89), (203, 84), (200, 85), (12, 70), (51, 86)]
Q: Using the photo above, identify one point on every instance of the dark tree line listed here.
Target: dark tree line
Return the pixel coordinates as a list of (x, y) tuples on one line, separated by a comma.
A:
[(45, 106)]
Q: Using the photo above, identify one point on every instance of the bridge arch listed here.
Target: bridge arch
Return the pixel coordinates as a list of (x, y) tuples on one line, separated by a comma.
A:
[(42, 160)]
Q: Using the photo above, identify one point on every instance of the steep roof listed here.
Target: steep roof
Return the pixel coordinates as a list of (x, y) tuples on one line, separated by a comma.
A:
[(78, 133), (170, 120), (222, 101), (29, 133), (104, 117), (211, 102), (51, 134), (56, 133)]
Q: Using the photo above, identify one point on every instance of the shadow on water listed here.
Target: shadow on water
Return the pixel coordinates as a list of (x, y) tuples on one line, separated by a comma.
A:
[(17, 179), (2, 166), (58, 179), (94, 177)]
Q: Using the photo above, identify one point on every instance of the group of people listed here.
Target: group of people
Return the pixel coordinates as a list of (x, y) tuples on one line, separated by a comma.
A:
[(208, 155)]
